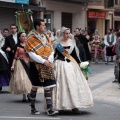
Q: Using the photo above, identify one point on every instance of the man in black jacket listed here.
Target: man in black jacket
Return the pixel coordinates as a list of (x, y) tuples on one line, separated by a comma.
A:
[(10, 43), (84, 42)]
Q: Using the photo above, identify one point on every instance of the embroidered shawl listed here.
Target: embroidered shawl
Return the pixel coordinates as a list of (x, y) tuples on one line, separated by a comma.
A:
[(42, 46)]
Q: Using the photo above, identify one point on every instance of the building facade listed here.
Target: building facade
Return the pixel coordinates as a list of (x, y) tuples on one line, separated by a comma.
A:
[(99, 17), (104, 15), (56, 13), (9, 7), (60, 13), (116, 14), (70, 13)]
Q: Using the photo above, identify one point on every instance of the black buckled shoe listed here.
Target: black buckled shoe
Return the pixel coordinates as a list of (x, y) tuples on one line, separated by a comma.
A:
[(76, 111), (51, 112)]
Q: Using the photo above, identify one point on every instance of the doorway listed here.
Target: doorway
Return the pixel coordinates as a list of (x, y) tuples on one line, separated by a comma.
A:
[(91, 26), (107, 26)]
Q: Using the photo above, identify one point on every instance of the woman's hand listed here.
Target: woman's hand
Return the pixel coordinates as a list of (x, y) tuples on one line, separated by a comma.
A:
[(12, 68), (8, 49)]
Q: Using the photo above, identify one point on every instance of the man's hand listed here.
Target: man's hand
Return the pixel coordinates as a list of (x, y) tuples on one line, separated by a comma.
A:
[(111, 46), (47, 63), (8, 49)]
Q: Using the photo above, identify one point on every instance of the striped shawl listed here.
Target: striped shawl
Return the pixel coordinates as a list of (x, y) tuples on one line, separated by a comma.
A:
[(42, 46)]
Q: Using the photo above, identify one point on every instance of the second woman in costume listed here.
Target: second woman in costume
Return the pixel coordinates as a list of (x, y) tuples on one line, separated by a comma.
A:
[(72, 91), (20, 83)]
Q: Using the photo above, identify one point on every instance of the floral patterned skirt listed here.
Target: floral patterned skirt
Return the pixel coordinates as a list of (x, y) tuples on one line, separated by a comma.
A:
[(72, 89)]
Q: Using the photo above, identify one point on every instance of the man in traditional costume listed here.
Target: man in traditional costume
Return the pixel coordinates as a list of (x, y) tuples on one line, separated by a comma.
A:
[(109, 41), (40, 51)]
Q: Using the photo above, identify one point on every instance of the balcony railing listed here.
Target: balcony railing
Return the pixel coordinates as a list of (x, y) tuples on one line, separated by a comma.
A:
[(116, 2), (77, 1), (97, 3), (113, 3)]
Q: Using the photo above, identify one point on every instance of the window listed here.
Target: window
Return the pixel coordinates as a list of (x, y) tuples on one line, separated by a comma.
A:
[(110, 3), (116, 2), (49, 20)]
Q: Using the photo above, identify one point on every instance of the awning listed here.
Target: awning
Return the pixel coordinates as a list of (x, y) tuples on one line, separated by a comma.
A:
[(19, 6)]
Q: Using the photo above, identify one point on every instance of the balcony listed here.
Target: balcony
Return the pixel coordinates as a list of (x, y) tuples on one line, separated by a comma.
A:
[(116, 4), (96, 4), (99, 3), (82, 2)]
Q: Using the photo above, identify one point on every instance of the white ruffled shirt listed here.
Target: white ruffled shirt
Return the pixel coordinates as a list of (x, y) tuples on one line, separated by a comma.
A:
[(36, 58), (15, 38)]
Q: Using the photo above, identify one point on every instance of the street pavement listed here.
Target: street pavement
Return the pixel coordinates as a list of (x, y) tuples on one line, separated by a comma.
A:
[(105, 93)]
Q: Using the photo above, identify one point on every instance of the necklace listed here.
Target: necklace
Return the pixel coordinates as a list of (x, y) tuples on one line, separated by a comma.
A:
[(22, 44), (65, 42)]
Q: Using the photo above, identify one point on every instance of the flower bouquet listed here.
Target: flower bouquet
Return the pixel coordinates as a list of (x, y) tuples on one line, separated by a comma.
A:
[(85, 68)]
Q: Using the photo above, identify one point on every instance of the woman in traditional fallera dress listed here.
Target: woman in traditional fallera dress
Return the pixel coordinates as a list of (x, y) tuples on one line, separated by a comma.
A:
[(57, 34), (4, 66), (72, 91), (96, 49), (50, 35), (20, 83)]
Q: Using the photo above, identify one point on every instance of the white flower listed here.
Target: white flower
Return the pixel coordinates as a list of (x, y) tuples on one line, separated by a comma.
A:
[(84, 65)]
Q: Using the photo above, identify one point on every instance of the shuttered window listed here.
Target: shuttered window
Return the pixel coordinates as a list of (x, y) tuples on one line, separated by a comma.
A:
[(110, 3)]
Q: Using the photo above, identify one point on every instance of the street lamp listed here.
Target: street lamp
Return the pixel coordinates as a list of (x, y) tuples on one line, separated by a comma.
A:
[(111, 13), (85, 9)]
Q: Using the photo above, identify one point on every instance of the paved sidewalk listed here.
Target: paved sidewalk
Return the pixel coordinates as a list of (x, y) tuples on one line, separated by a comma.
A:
[(106, 98), (101, 84)]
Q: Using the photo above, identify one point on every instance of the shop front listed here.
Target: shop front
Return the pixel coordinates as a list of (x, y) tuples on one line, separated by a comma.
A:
[(96, 20)]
